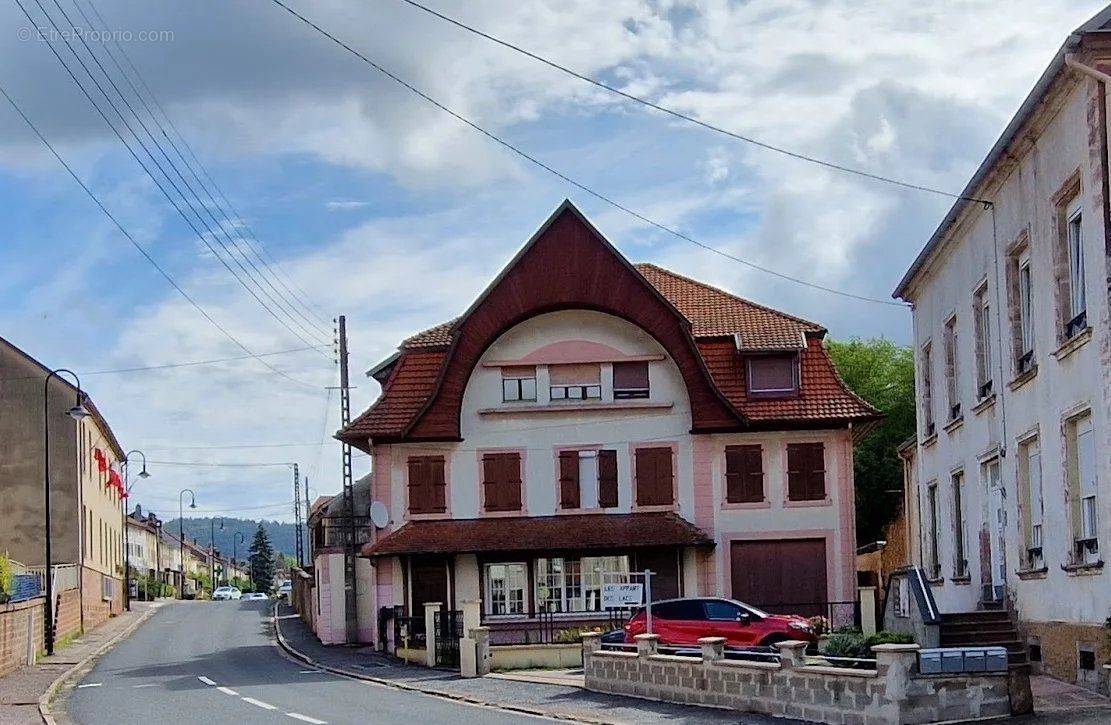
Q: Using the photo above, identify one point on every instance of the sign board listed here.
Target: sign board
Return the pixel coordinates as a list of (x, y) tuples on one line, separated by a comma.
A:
[(615, 596)]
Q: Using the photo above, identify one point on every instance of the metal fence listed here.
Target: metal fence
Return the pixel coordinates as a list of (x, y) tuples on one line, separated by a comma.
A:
[(66, 576)]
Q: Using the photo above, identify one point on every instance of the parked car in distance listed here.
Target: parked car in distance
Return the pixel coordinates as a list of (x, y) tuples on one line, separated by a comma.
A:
[(285, 589), (684, 621), (254, 596), (226, 593)]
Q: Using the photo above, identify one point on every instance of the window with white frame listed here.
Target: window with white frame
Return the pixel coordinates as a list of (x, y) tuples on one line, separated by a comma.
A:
[(981, 309), (505, 588), (952, 380), (1030, 479), (1025, 313), (1081, 448), (1074, 240), (518, 383), (575, 584), (927, 390), (960, 528)]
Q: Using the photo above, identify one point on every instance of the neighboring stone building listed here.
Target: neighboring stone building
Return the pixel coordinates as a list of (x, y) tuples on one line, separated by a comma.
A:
[(587, 419), (86, 514), (1011, 325)]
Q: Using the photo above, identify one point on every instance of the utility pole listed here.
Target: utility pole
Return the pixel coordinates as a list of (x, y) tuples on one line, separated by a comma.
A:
[(308, 531), (348, 494), (297, 514)]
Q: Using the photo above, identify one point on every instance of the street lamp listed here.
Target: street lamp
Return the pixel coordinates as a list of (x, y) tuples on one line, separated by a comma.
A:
[(126, 529), (234, 545), (181, 530), (78, 412)]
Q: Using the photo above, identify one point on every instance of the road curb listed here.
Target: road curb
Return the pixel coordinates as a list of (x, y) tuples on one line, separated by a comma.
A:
[(537, 712), (84, 665)]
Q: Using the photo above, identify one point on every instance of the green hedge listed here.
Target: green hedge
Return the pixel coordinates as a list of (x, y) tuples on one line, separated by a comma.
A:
[(853, 643)]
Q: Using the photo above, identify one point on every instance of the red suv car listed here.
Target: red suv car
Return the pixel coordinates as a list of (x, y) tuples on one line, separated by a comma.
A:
[(683, 621)]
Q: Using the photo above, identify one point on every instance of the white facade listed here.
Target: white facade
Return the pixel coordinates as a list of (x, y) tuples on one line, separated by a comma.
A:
[(1020, 478)]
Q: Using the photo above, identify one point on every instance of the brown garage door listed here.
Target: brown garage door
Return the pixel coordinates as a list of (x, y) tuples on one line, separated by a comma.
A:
[(781, 576)]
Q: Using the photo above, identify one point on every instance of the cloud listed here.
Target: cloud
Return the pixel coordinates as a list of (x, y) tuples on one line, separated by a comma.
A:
[(345, 205)]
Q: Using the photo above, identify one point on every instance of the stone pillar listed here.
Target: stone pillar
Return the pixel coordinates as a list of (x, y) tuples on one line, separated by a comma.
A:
[(647, 644), (430, 610), (483, 661), (472, 614), (592, 642), (895, 663), (792, 653), (713, 648), (868, 610)]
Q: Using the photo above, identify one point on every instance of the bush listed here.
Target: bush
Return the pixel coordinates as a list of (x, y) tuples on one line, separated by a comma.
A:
[(573, 635), (847, 642), (6, 575)]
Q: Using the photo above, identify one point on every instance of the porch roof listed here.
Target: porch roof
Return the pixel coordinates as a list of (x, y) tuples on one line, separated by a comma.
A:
[(539, 533)]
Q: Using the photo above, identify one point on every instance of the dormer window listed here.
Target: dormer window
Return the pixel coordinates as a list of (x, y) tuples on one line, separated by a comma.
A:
[(518, 383), (773, 376), (576, 381), (630, 380)]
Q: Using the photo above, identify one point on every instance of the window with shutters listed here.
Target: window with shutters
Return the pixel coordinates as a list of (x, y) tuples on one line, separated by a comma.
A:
[(427, 485), (587, 479), (744, 474), (806, 472), (981, 318), (1083, 488), (773, 376), (655, 476), (952, 370), (576, 381), (1030, 489), (630, 380), (501, 481), (927, 390), (1069, 263)]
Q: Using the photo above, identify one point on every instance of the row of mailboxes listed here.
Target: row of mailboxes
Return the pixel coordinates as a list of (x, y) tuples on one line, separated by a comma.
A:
[(954, 660)]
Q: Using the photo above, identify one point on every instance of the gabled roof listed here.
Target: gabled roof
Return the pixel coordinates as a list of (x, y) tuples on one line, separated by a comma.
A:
[(720, 324), (1099, 23)]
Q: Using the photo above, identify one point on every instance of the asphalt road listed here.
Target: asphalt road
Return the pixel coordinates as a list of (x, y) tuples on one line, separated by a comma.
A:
[(214, 662)]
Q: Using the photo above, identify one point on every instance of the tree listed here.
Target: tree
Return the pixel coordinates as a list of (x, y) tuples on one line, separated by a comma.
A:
[(261, 560), (882, 373)]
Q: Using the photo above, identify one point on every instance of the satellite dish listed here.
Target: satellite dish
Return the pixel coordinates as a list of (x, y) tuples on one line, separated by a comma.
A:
[(379, 515)]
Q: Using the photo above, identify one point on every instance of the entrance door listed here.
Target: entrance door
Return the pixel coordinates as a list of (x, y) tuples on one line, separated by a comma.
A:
[(997, 518), (783, 577), (429, 583)]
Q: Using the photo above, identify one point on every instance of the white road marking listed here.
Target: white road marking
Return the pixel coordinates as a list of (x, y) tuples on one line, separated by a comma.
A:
[(259, 703), (306, 718), (91, 684), (306, 672), (206, 681), (149, 684), (227, 691)]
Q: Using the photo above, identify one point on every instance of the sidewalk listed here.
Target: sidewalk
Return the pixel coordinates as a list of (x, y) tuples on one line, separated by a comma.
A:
[(551, 700), (20, 690)]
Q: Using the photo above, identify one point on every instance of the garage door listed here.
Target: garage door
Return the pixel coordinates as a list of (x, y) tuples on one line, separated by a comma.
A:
[(781, 576)]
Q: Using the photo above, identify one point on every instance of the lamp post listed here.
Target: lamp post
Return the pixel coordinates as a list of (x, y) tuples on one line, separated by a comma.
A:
[(181, 530), (235, 545), (78, 413), (126, 529), (212, 549)]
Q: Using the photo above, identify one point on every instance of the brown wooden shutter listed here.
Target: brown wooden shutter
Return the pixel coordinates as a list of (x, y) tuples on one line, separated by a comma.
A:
[(607, 478), (654, 476), (744, 474), (491, 480), (511, 481), (569, 479), (805, 471), (437, 485), (418, 486)]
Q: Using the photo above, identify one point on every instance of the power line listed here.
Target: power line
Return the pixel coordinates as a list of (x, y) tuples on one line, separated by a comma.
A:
[(134, 133), (202, 464), (258, 248), (140, 248), (582, 187), (239, 446), (685, 117)]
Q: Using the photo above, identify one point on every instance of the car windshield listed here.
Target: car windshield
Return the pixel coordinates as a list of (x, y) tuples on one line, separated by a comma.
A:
[(758, 612)]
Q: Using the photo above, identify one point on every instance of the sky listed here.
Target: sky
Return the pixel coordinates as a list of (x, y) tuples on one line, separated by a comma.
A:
[(360, 198)]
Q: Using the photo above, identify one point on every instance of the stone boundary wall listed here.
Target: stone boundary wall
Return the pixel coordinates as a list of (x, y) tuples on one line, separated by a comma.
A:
[(17, 622), (891, 693)]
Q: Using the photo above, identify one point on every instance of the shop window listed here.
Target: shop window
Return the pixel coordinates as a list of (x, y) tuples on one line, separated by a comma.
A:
[(575, 584)]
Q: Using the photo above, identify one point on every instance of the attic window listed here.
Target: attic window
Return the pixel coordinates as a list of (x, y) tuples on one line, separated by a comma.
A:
[(773, 376), (576, 381)]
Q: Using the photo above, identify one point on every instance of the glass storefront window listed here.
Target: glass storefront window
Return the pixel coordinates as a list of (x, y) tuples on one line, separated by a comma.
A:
[(575, 584), (505, 588)]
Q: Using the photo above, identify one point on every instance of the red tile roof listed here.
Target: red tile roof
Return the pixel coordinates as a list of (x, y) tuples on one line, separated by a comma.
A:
[(581, 532), (714, 312), (719, 321)]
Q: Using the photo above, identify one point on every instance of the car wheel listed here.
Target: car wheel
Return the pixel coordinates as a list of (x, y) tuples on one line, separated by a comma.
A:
[(772, 640)]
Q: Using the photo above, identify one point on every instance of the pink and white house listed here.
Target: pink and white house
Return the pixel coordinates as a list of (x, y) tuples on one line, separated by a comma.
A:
[(586, 418)]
